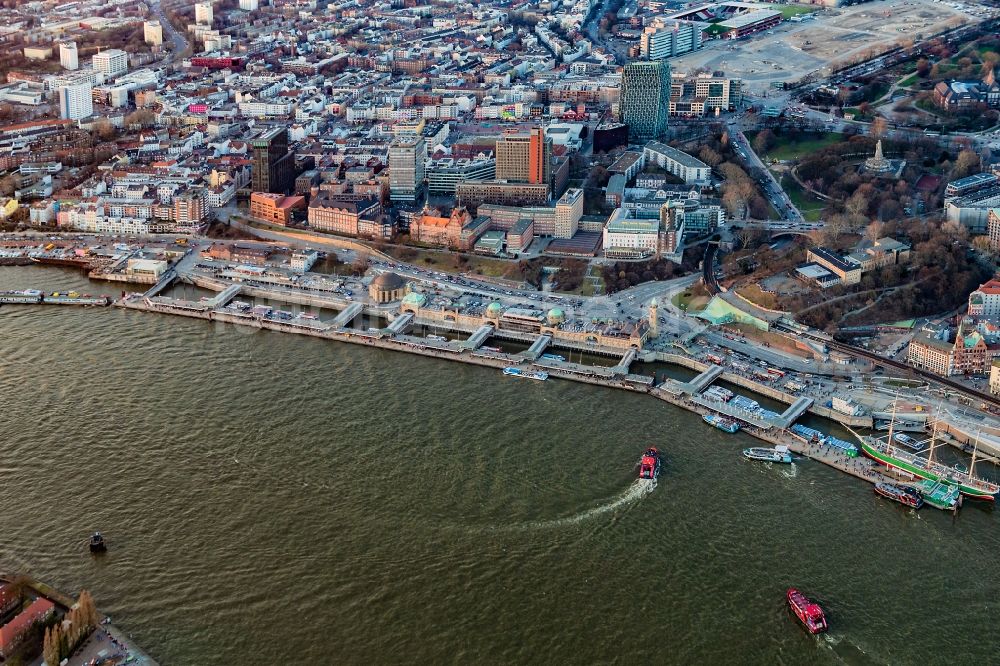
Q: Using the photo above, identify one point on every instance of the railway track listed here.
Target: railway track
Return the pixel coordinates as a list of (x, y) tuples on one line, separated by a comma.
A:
[(909, 369)]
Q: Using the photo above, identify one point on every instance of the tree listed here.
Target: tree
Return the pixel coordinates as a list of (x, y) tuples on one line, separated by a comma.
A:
[(874, 231), (857, 205), (104, 130), (984, 245), (50, 646), (9, 184), (87, 610), (966, 163), (140, 117), (763, 141), (709, 156)]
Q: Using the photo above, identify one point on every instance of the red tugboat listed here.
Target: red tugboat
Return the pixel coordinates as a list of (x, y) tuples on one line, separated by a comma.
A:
[(649, 464), (809, 613)]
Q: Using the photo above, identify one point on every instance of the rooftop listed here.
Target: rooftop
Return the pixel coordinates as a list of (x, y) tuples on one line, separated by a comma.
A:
[(678, 156)]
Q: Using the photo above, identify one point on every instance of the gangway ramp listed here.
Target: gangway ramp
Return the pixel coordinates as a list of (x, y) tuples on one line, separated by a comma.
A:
[(704, 380), (165, 281), (348, 315), (623, 365), (223, 297), (400, 323), (794, 411), (481, 335), (537, 347)]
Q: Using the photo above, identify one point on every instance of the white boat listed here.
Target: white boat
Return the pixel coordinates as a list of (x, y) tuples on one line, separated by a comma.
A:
[(526, 374), (778, 454)]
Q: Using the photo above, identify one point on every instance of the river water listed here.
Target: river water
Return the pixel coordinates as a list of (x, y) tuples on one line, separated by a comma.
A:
[(270, 498)]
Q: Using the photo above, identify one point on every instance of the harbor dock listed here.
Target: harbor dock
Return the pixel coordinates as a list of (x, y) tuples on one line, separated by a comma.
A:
[(670, 390)]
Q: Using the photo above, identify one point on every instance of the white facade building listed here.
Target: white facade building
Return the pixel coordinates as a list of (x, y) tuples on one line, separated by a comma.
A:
[(68, 56), (76, 101), (152, 33), (667, 40), (111, 63), (689, 169), (249, 5), (203, 13)]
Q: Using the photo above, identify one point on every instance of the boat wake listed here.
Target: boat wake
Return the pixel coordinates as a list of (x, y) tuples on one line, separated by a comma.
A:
[(792, 472), (635, 492)]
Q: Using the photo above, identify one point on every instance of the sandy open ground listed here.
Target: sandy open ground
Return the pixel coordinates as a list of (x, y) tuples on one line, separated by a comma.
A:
[(793, 50)]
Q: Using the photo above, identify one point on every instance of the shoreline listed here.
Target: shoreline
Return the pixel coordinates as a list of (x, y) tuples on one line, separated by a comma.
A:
[(860, 467), (141, 657)]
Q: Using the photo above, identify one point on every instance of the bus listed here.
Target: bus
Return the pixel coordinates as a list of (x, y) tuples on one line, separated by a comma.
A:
[(775, 372)]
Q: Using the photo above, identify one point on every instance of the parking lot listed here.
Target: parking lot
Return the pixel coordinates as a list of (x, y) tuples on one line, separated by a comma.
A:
[(835, 35)]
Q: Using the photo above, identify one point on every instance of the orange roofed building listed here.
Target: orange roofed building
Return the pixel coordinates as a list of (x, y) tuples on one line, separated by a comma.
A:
[(12, 633), (274, 208), (985, 301), (429, 227)]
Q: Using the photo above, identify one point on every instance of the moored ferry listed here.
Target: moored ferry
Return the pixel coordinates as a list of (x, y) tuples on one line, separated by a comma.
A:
[(526, 374), (905, 495), (553, 357), (939, 495), (924, 468), (907, 441), (778, 454), (722, 422)]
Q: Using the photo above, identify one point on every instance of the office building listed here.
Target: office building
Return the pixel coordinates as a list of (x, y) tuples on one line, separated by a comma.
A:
[(474, 193), (342, 216), (249, 5), (644, 104), (273, 162), (689, 169), (152, 33), (695, 96), (406, 168), (76, 101), (275, 208), (111, 63), (444, 174), (662, 40), (569, 210), (524, 158), (68, 56), (203, 13)]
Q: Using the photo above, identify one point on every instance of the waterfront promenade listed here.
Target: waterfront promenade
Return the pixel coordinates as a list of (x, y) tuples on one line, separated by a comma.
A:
[(670, 390)]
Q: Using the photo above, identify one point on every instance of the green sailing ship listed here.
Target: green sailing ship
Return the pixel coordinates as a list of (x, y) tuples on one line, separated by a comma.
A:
[(927, 468)]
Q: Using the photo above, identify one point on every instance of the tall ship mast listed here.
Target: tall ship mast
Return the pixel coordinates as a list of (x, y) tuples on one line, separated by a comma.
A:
[(893, 457)]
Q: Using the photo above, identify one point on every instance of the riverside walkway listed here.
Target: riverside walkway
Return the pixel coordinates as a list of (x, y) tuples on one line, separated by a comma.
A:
[(669, 391)]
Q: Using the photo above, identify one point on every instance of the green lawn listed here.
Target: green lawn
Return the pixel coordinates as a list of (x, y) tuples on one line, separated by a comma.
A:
[(810, 207), (908, 81), (788, 149), (788, 11), (694, 299), (449, 262)]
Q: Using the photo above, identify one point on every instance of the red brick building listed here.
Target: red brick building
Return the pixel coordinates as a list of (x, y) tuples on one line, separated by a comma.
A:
[(12, 633)]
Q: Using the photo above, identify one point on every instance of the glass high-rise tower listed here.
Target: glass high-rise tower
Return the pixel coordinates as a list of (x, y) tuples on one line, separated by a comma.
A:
[(644, 103)]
